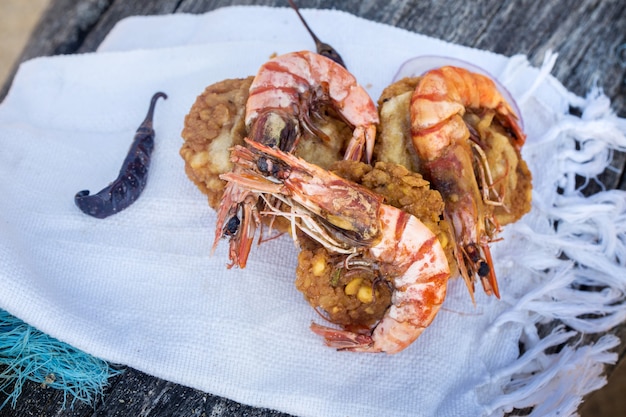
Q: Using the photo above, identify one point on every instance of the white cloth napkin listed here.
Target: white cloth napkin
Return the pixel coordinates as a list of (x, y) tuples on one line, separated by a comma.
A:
[(140, 288)]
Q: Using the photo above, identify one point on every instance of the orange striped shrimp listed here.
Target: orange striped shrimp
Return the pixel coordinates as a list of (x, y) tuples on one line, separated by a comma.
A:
[(294, 85), (285, 98), (349, 219), (454, 161)]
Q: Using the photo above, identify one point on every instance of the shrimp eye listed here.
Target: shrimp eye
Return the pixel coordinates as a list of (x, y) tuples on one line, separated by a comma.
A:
[(273, 168), (483, 269), (263, 165), (232, 226)]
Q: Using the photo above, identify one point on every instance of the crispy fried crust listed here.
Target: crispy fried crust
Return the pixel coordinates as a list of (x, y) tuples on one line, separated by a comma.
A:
[(214, 124), (393, 143)]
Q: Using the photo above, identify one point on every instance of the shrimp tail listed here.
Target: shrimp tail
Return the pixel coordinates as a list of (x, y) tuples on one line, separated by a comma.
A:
[(343, 339)]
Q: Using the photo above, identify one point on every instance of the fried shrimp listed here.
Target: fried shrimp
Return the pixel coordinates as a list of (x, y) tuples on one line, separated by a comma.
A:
[(292, 87), (351, 220), (287, 98), (455, 127)]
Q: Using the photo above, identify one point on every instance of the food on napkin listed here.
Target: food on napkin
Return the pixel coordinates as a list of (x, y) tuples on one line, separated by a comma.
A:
[(455, 127), (469, 146)]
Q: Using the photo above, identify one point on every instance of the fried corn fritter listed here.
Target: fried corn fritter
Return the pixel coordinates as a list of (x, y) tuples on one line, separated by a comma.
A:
[(214, 124), (355, 298)]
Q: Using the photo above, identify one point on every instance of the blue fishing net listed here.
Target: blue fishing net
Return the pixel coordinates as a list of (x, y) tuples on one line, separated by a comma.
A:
[(26, 354)]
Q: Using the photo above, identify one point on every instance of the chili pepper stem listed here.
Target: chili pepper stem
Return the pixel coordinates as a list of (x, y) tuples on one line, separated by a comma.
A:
[(149, 116), (322, 48)]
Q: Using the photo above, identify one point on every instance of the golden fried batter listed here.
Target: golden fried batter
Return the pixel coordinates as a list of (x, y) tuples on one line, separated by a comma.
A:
[(355, 298), (393, 143), (352, 298), (214, 124)]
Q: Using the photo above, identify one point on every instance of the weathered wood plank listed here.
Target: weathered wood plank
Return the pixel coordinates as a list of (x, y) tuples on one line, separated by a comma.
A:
[(119, 10), (589, 36), (133, 393)]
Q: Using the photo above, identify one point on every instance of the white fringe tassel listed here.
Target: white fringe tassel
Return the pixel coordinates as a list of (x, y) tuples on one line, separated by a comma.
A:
[(582, 281)]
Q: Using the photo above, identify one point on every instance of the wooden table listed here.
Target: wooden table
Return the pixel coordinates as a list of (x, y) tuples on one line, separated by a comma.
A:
[(589, 36)]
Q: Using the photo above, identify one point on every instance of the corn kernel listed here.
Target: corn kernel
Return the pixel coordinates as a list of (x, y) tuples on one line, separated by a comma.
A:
[(200, 159), (365, 294), (353, 286), (319, 266), (443, 239)]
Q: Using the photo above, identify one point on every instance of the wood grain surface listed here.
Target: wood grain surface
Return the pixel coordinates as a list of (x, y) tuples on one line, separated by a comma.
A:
[(588, 35)]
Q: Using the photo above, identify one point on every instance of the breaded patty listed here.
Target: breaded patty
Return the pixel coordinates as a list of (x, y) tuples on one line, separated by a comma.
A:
[(214, 124)]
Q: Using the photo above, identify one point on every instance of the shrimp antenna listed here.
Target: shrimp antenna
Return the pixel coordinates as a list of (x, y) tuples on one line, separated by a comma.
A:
[(323, 49)]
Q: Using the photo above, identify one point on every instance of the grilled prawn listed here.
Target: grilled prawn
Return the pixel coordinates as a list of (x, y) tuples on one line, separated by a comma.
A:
[(447, 108), (287, 98), (351, 220)]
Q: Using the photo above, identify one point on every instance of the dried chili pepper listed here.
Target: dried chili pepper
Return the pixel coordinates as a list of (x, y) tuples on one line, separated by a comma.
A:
[(132, 177)]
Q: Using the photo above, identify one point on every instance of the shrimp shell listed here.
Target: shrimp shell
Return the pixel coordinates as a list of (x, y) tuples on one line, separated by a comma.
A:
[(455, 162)]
